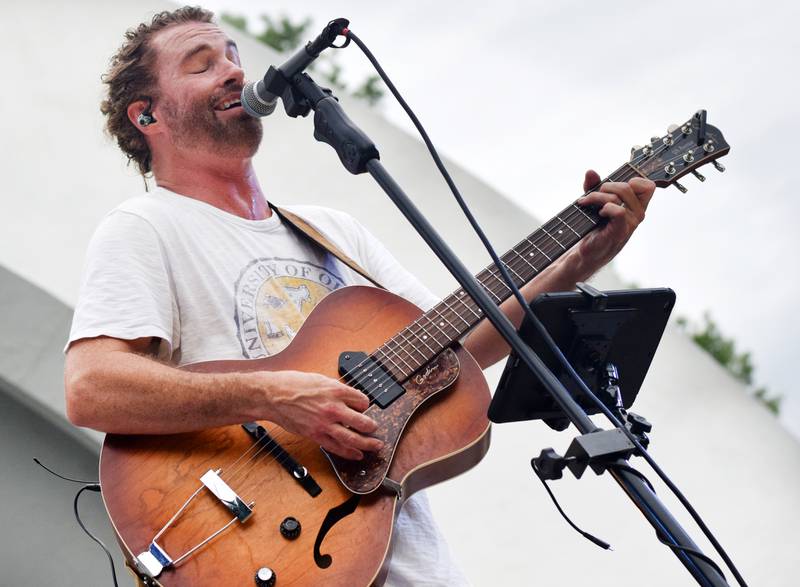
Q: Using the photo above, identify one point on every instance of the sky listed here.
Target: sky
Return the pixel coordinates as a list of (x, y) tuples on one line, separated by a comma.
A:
[(527, 95)]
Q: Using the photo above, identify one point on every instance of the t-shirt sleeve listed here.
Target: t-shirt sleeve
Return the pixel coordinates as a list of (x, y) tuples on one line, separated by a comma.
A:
[(126, 291), (384, 268)]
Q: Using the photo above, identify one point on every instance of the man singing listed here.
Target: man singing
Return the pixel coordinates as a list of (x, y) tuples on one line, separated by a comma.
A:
[(202, 268)]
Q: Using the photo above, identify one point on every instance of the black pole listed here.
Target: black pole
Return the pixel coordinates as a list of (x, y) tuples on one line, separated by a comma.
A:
[(358, 154)]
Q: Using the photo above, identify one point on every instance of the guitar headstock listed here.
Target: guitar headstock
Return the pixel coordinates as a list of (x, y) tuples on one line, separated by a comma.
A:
[(681, 151)]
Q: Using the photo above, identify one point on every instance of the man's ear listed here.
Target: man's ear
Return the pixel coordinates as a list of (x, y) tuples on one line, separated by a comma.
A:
[(141, 115)]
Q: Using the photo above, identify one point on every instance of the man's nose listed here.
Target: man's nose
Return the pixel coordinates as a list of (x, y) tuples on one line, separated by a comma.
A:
[(234, 74)]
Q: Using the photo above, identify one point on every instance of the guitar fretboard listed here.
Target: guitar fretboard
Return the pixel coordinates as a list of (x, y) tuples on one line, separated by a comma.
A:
[(447, 322)]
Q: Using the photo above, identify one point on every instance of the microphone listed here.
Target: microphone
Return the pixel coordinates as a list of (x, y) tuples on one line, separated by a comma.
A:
[(260, 98), (257, 101)]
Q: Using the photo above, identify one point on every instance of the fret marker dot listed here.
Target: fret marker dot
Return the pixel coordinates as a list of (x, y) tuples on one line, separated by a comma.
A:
[(560, 231), (530, 254), (425, 337), (441, 323)]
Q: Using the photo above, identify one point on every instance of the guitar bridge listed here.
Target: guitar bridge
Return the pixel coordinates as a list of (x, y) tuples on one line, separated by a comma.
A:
[(155, 559)]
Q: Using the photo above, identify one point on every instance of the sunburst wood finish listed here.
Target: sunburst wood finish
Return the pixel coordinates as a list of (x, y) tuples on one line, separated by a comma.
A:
[(146, 479)]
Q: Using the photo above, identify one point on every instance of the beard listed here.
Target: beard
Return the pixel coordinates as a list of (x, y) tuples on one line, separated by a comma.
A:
[(196, 126)]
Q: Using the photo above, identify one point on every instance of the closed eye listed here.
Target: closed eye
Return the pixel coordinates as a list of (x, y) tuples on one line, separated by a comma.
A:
[(202, 69)]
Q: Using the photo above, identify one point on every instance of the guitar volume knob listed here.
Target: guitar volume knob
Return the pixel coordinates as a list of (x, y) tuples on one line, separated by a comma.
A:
[(290, 528), (265, 577)]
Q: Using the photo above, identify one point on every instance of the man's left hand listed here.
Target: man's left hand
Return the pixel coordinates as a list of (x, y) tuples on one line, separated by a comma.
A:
[(624, 205)]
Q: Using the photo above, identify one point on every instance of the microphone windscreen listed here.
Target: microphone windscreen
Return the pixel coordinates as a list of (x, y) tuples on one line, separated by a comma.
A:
[(252, 102)]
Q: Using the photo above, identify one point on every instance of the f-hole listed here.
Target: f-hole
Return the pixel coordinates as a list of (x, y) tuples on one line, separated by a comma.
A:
[(333, 516)]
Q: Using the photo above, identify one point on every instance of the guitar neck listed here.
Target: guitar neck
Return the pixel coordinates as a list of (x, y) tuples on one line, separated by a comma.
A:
[(458, 313)]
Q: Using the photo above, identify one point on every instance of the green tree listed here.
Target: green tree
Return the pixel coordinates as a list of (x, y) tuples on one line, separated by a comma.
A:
[(281, 34), (371, 90), (723, 349)]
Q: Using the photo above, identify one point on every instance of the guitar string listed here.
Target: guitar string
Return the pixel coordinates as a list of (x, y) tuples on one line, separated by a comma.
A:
[(515, 256), (575, 212), (386, 356), (369, 391)]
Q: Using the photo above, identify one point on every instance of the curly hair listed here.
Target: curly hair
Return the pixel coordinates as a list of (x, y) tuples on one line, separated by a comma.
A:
[(131, 77)]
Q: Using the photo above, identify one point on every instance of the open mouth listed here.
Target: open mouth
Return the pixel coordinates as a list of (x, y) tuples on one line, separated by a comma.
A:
[(229, 104)]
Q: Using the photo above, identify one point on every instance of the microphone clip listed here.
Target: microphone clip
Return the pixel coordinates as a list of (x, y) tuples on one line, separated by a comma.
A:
[(280, 81)]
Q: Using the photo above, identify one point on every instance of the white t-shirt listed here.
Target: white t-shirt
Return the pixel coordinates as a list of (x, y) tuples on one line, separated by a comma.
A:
[(213, 286)]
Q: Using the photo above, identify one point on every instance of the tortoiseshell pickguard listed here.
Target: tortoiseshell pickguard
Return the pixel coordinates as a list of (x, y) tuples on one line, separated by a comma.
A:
[(366, 475)]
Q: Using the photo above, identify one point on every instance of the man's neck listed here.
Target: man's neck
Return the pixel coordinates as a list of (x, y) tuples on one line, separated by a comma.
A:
[(228, 184)]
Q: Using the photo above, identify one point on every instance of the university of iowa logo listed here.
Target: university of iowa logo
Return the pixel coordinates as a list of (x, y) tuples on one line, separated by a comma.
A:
[(273, 298)]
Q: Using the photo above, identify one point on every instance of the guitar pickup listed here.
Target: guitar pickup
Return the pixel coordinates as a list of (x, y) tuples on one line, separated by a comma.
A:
[(298, 472), (368, 375)]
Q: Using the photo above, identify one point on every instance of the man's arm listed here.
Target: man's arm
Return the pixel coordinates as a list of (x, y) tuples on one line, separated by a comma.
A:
[(112, 385), (624, 205)]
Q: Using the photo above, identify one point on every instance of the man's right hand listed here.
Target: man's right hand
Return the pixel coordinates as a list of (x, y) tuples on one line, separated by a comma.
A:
[(322, 409)]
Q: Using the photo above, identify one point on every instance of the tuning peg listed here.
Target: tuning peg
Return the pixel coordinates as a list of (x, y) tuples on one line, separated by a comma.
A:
[(681, 187), (718, 166), (672, 128), (698, 175), (686, 128), (634, 149)]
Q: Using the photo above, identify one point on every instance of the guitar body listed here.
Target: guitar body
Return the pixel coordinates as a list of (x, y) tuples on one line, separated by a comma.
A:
[(437, 429)]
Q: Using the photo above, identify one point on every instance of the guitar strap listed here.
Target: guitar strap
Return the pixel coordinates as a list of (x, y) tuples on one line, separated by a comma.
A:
[(303, 227)]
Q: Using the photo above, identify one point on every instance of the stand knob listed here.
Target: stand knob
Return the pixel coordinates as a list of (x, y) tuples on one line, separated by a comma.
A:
[(265, 577), (290, 528), (638, 424)]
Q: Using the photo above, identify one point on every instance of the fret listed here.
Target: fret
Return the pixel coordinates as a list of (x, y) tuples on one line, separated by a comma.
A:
[(495, 273), (399, 356), (466, 305), (432, 322), (568, 226), (421, 339), (507, 266), (535, 246), (425, 358), (512, 258), (426, 338), (557, 231), (393, 364), (531, 265), (491, 273), (510, 268), (579, 209), (444, 319), (464, 320)]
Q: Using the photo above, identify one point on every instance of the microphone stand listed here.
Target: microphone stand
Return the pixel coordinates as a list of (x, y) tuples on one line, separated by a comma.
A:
[(358, 154)]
